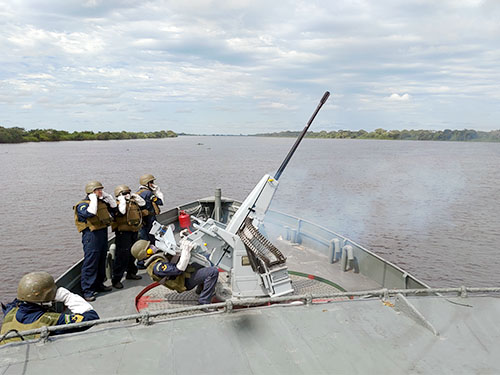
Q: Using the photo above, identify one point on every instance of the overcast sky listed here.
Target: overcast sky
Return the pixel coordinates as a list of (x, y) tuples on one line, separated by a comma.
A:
[(249, 66)]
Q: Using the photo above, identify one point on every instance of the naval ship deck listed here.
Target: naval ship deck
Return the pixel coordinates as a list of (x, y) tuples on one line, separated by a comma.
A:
[(303, 263)]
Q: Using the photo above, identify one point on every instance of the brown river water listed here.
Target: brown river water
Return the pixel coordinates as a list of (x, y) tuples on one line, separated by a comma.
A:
[(432, 208)]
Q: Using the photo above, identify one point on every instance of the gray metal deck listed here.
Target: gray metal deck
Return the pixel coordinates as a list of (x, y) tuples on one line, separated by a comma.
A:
[(299, 258), (345, 337)]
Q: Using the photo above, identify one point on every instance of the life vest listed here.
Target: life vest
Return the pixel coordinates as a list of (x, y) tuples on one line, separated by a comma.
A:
[(101, 219), (153, 200), (11, 323), (131, 221), (178, 283)]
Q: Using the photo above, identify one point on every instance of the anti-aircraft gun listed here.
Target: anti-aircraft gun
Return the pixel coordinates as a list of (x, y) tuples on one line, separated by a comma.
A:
[(256, 267)]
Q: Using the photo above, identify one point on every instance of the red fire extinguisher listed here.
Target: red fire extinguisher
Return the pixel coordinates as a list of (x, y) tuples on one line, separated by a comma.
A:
[(184, 220)]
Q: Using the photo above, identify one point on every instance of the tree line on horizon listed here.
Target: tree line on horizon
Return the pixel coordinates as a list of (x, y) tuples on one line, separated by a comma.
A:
[(20, 135), (416, 135)]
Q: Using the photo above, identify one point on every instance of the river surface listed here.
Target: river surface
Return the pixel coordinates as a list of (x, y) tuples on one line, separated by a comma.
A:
[(432, 208)]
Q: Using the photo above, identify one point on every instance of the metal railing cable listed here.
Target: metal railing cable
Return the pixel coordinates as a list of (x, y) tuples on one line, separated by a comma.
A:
[(229, 305)]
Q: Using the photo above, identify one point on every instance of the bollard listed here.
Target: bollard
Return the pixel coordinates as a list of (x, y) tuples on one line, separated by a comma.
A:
[(343, 260), (334, 250), (347, 258), (331, 251)]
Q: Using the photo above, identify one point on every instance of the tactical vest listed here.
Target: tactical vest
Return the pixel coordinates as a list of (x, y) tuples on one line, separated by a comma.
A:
[(177, 284), (11, 323), (101, 219), (131, 221), (156, 208)]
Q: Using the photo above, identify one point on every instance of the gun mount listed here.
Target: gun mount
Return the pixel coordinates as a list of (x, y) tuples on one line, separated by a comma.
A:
[(256, 267)]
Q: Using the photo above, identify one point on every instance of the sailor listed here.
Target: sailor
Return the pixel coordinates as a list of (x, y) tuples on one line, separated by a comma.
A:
[(154, 198), (93, 215), (128, 221), (30, 310), (177, 275)]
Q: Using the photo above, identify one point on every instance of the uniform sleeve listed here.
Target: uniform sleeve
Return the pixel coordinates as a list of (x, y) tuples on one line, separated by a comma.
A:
[(163, 269), (76, 318), (146, 195), (82, 213), (158, 201)]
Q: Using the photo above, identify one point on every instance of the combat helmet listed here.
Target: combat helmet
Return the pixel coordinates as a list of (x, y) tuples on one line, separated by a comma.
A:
[(92, 185), (36, 287), (140, 249), (121, 189), (146, 178)]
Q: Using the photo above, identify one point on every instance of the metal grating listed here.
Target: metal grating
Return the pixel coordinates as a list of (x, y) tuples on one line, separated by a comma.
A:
[(162, 298)]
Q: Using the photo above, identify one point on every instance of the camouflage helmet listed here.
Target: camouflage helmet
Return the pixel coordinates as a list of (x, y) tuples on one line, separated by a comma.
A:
[(36, 287), (139, 249), (121, 189), (92, 185), (145, 178)]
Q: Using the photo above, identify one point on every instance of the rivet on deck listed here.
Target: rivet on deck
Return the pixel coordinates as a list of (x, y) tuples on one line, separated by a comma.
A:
[(463, 291), (146, 319), (386, 294), (229, 306), (44, 334)]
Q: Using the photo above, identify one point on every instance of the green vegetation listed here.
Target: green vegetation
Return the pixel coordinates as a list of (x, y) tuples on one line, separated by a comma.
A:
[(19, 135), (416, 135)]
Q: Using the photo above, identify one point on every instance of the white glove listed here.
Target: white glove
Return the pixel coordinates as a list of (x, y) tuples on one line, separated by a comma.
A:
[(108, 198), (186, 247), (122, 205), (157, 192), (92, 208), (138, 199), (75, 303)]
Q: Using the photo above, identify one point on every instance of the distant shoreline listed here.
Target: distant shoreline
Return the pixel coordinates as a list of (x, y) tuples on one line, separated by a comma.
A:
[(20, 135), (465, 135)]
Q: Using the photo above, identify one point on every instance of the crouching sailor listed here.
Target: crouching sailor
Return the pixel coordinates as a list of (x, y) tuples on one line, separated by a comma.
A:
[(30, 310), (177, 275)]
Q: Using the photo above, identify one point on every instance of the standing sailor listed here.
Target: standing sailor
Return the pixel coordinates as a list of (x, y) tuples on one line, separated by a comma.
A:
[(92, 218), (128, 221), (154, 198), (30, 310)]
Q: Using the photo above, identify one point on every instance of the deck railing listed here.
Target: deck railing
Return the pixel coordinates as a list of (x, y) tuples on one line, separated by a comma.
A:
[(230, 305)]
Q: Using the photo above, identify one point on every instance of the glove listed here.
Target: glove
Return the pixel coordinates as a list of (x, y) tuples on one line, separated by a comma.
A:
[(92, 208), (108, 199), (75, 303), (138, 199), (186, 247), (122, 205), (157, 192)]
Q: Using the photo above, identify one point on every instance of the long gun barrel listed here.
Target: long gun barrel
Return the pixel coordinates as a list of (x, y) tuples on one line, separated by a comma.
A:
[(299, 139), (259, 199)]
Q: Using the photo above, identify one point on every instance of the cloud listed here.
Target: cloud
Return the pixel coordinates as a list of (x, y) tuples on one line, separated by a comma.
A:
[(399, 98), (267, 63)]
